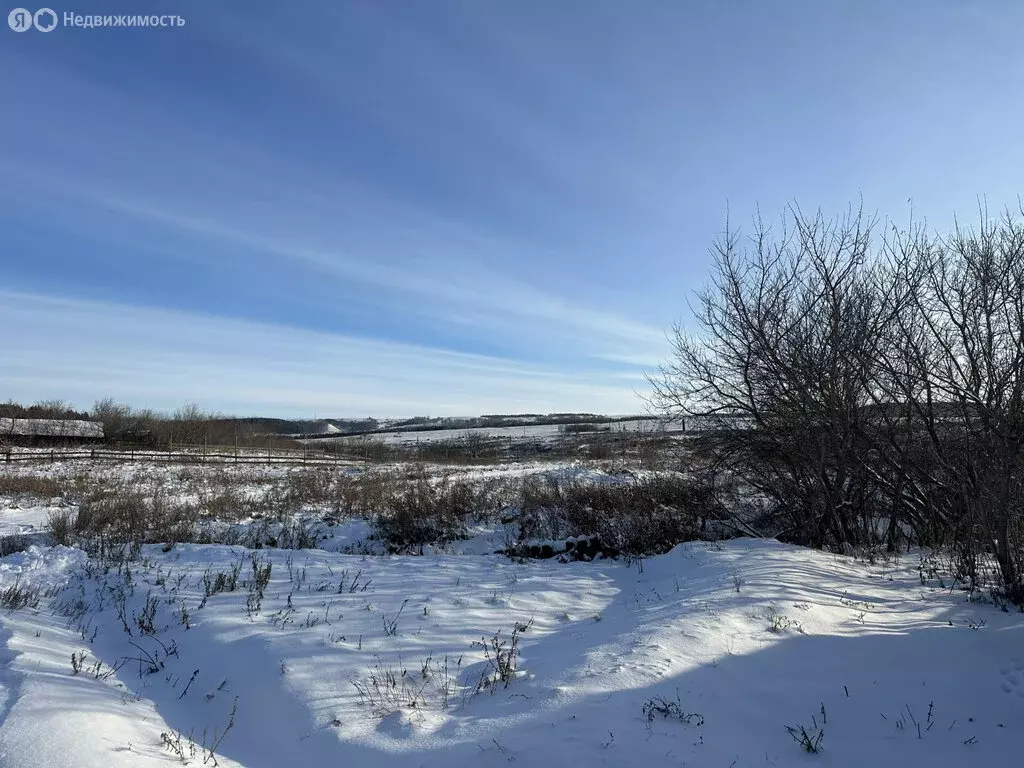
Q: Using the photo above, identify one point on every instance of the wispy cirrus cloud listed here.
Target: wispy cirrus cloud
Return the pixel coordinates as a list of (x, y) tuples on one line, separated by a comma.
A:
[(83, 350), (349, 240), (530, 184)]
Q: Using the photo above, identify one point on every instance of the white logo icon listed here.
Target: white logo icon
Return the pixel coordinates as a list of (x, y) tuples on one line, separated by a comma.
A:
[(45, 19), (20, 20)]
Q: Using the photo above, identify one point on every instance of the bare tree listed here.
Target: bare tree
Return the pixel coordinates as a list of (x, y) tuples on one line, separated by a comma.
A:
[(959, 365), (778, 369), (869, 388)]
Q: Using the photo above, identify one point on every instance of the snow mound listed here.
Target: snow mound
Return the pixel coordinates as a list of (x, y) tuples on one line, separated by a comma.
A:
[(707, 655), (40, 566)]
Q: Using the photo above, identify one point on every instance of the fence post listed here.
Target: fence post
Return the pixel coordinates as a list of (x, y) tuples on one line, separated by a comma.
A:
[(51, 456), (8, 456)]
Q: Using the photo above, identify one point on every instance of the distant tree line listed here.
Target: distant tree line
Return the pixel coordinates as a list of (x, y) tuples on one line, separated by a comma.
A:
[(873, 380), (45, 409), (187, 425), (123, 424)]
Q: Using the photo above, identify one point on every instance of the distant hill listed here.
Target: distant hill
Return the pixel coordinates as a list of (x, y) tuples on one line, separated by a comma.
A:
[(428, 424)]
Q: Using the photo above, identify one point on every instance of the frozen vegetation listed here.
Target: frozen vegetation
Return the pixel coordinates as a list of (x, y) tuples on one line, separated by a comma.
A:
[(267, 616)]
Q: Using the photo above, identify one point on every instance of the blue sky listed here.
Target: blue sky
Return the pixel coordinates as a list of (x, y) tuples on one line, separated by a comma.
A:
[(392, 207)]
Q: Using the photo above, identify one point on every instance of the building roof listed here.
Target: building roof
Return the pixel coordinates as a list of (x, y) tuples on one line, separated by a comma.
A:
[(50, 428)]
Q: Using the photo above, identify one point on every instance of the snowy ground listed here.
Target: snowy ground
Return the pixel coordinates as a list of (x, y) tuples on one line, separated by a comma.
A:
[(537, 432), (866, 653), (730, 643)]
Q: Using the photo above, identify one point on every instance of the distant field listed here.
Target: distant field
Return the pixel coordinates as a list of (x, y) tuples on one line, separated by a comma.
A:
[(538, 432)]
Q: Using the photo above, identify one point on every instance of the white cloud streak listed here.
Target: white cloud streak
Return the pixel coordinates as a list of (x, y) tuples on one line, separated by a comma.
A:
[(85, 350), (405, 258)]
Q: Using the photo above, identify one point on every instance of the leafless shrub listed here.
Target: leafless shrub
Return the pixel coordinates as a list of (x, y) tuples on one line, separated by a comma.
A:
[(869, 388), (224, 581), (574, 429), (12, 543), (181, 745), (16, 596), (789, 326), (777, 623), (670, 709), (502, 657), (184, 747), (389, 687), (146, 618), (367, 493), (211, 741), (39, 486), (809, 740), (127, 513), (635, 518), (443, 678), (312, 486), (221, 498), (957, 365), (295, 534), (391, 624), (261, 569), (61, 525), (417, 510)]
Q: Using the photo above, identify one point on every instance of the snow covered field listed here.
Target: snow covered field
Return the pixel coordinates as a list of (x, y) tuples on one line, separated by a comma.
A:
[(537, 432), (702, 656)]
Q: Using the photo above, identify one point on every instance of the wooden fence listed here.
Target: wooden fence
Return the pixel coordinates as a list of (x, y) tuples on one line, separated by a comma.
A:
[(183, 455)]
